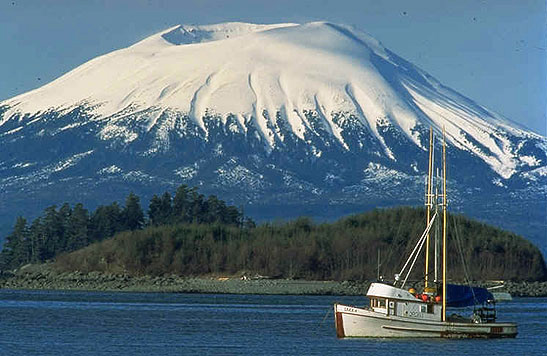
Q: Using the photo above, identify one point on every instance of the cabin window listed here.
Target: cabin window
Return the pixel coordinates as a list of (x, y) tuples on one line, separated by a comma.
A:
[(382, 303), (430, 309), (377, 303), (423, 308)]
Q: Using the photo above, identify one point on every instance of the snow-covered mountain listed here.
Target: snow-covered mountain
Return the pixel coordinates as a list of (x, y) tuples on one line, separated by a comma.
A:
[(308, 116)]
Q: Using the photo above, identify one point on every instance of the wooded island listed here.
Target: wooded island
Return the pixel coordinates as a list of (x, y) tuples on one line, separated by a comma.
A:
[(188, 234)]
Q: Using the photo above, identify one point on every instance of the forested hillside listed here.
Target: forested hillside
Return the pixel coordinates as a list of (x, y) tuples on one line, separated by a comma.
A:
[(65, 229), (346, 249)]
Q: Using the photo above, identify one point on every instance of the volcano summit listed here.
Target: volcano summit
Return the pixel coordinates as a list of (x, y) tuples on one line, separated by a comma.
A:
[(286, 119)]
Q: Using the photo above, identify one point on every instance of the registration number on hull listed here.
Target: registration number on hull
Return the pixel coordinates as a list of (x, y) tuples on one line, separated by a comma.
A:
[(351, 310)]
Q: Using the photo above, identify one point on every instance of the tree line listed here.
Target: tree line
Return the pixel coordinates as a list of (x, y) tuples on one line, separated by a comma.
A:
[(65, 229), (343, 250)]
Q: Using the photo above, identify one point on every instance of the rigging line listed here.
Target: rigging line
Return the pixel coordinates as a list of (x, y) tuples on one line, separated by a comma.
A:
[(329, 310), (421, 245), (465, 270), (420, 242), (413, 262), (414, 254)]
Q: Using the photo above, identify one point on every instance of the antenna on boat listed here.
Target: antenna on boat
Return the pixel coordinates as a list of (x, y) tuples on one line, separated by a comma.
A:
[(444, 226), (378, 275)]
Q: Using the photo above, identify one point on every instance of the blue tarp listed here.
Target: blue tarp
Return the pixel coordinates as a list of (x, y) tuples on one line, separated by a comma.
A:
[(462, 296)]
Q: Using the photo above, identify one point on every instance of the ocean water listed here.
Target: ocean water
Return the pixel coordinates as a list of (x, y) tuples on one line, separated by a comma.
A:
[(97, 323)]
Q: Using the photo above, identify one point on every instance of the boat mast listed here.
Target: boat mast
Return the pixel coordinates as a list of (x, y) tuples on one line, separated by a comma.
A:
[(428, 205), (444, 227), (437, 180)]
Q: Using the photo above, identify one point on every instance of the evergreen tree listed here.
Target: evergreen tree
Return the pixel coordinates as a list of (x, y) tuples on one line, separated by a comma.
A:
[(77, 234), (215, 210), (181, 205), (53, 228), (37, 241), (160, 210), (64, 215), (233, 216), (166, 208), (154, 211), (16, 249), (198, 207), (106, 221), (132, 214)]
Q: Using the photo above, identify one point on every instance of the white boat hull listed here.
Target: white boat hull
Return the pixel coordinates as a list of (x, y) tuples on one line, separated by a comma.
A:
[(358, 322)]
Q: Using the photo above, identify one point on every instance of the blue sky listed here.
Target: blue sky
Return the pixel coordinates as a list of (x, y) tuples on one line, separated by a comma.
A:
[(493, 51)]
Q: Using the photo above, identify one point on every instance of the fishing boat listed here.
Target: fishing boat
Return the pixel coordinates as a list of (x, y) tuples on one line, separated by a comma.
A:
[(399, 311)]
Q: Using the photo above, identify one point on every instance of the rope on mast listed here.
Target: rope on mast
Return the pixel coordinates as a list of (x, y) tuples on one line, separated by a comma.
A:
[(465, 270), (416, 250)]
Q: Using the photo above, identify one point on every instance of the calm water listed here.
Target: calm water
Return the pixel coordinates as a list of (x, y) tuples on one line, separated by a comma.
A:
[(93, 323)]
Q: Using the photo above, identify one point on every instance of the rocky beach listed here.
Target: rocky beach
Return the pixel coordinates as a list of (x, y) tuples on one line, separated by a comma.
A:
[(177, 284), (45, 278)]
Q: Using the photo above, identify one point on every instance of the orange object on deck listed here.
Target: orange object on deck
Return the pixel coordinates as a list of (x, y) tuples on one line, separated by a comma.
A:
[(438, 299)]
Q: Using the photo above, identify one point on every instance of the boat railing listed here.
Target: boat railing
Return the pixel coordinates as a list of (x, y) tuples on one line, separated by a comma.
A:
[(487, 313)]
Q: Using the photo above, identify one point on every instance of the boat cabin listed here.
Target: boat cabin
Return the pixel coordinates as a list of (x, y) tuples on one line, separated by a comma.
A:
[(390, 300)]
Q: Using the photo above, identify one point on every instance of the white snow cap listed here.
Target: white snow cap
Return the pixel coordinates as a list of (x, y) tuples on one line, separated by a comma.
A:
[(248, 69)]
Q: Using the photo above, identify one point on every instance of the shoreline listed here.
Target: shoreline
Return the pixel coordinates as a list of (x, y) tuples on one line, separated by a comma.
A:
[(97, 281)]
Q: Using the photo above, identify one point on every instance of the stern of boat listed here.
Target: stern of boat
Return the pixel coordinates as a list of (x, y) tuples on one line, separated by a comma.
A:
[(338, 322)]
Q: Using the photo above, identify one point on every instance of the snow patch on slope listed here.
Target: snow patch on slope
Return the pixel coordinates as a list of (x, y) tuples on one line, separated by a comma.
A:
[(187, 172), (234, 174), (535, 174), (71, 161), (113, 169), (531, 161), (23, 165)]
